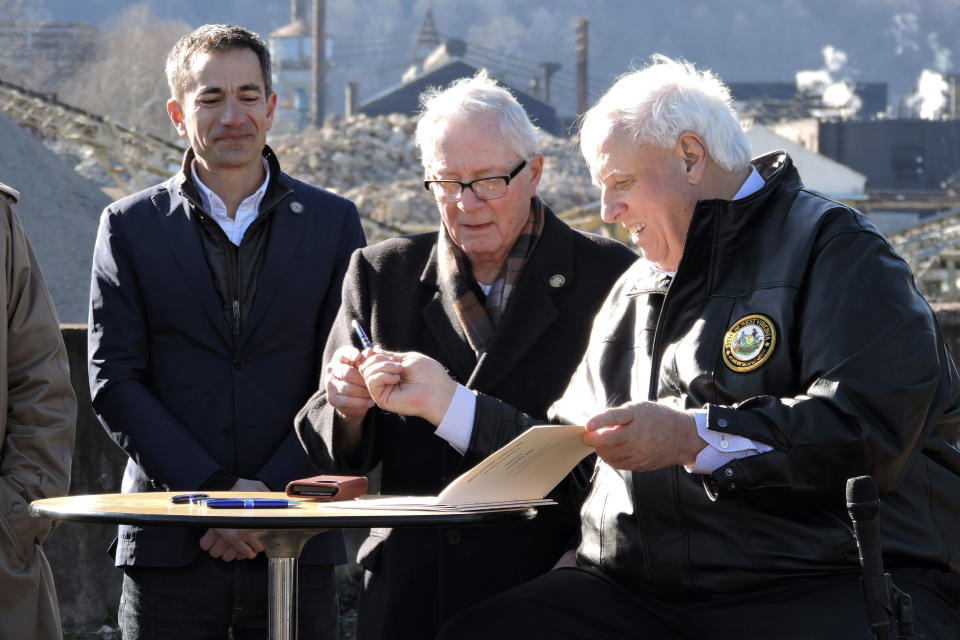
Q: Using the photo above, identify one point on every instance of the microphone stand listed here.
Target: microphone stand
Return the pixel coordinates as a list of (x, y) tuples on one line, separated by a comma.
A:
[(886, 603)]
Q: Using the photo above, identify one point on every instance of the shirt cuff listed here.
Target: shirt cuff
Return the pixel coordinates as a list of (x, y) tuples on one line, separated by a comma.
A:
[(721, 448), (457, 424)]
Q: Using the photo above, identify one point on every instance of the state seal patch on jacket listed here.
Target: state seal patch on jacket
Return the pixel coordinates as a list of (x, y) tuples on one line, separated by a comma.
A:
[(749, 343)]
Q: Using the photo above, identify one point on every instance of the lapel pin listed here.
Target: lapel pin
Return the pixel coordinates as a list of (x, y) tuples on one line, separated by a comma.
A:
[(296, 207), (557, 281)]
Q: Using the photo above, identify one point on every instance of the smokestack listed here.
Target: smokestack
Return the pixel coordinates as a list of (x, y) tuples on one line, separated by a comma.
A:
[(350, 99), (549, 68), (581, 52), (953, 96), (318, 63)]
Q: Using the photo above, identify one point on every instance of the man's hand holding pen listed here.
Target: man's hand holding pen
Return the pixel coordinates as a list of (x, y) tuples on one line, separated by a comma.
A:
[(639, 436), (346, 391), (410, 384)]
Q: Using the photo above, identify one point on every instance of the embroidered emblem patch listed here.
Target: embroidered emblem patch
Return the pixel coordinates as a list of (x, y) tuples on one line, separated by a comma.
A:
[(749, 343)]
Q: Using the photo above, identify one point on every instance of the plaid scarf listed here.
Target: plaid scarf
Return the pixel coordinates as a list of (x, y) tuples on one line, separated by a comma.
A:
[(479, 321)]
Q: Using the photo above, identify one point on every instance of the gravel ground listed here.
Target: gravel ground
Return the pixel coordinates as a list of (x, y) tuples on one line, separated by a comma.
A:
[(60, 211)]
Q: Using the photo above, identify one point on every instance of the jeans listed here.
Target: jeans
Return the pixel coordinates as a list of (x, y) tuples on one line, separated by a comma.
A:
[(208, 597)]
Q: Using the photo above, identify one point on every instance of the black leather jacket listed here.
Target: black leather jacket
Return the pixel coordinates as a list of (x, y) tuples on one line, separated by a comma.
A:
[(858, 381)]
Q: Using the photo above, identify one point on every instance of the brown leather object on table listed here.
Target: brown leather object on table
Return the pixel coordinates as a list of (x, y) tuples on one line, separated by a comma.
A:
[(327, 488)]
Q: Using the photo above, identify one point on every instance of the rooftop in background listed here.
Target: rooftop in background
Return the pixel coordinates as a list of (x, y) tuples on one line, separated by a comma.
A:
[(404, 98)]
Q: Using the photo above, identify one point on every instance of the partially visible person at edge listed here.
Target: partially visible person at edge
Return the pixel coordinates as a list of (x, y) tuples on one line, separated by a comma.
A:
[(36, 433), (503, 295), (770, 346), (211, 297)]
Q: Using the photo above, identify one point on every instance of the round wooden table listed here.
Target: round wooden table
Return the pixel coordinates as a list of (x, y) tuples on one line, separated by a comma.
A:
[(283, 532)]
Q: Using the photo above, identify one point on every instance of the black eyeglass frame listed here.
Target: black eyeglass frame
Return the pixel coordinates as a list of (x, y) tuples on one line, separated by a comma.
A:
[(463, 185)]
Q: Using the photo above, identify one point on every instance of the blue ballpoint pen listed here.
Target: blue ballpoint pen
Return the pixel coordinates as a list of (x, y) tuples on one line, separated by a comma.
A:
[(364, 340), (248, 503)]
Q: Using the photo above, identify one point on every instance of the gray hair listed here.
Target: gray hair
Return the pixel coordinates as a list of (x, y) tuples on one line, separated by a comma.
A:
[(656, 104), (213, 38), (467, 98)]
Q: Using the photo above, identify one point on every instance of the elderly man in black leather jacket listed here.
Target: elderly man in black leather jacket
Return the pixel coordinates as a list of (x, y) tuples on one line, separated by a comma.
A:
[(770, 346)]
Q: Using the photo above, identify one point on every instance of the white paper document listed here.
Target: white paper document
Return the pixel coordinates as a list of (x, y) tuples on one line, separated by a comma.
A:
[(518, 475)]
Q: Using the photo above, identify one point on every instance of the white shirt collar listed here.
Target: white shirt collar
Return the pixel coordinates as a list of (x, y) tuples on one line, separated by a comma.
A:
[(751, 185), (246, 213)]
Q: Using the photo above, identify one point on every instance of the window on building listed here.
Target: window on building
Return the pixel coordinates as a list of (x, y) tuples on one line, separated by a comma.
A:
[(908, 164)]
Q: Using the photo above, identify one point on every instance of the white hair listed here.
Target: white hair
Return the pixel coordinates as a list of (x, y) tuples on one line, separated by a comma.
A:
[(656, 104), (464, 100)]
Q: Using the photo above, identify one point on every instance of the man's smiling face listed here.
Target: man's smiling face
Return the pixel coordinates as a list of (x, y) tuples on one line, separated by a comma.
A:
[(225, 113)]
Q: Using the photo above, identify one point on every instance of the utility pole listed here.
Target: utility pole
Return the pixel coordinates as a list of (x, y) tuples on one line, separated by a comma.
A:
[(318, 63), (581, 51), (298, 10)]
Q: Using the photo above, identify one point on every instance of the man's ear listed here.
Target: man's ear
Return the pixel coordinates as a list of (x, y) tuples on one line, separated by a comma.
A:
[(535, 166), (176, 117), (271, 110), (693, 152)]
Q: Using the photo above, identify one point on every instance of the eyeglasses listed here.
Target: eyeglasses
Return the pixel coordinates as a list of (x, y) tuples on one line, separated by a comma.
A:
[(484, 188)]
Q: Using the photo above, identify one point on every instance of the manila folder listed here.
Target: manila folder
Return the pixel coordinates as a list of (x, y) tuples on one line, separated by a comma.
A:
[(526, 468), (517, 475)]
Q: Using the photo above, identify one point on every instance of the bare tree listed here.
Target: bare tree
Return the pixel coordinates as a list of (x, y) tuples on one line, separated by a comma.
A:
[(20, 60), (125, 79)]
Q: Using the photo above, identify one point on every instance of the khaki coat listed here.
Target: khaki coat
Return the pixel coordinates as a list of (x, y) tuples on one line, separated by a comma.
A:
[(36, 433)]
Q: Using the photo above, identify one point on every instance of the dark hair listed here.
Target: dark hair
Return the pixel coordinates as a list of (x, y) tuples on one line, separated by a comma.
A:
[(213, 38)]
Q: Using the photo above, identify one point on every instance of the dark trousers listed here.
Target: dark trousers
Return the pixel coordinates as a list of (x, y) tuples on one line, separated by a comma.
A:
[(208, 597), (578, 603)]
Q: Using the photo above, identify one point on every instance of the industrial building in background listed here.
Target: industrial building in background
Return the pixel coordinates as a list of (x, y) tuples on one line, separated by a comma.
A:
[(899, 163)]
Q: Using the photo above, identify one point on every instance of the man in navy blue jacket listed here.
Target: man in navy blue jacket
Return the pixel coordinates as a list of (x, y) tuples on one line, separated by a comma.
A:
[(211, 298)]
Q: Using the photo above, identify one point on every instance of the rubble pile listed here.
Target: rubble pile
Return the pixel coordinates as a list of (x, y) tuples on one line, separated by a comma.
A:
[(373, 161)]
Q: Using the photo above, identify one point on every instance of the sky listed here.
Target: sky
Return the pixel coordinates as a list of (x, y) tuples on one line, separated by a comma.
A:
[(891, 41)]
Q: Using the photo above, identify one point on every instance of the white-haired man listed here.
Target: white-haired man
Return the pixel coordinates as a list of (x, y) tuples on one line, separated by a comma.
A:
[(503, 296), (770, 346)]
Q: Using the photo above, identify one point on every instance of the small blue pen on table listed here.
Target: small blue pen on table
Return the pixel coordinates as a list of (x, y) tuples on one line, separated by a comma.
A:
[(248, 503), (364, 340)]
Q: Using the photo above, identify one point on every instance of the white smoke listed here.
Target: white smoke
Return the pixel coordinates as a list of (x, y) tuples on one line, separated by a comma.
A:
[(833, 59), (813, 83), (931, 95), (941, 54), (839, 97), (905, 29)]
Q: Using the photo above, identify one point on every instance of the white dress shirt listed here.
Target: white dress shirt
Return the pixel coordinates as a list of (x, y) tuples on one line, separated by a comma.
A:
[(246, 213)]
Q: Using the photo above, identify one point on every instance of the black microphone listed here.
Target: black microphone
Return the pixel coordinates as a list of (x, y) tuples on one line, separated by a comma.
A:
[(863, 505)]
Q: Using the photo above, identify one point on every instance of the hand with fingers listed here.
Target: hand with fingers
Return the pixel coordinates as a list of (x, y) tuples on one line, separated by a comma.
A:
[(346, 390), (234, 544), (644, 436), (230, 544), (409, 383)]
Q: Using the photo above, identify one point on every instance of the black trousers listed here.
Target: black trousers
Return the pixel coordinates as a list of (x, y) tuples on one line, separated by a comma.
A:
[(583, 604), (214, 600)]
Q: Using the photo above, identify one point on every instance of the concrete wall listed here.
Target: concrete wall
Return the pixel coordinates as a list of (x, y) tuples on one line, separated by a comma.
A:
[(88, 585)]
